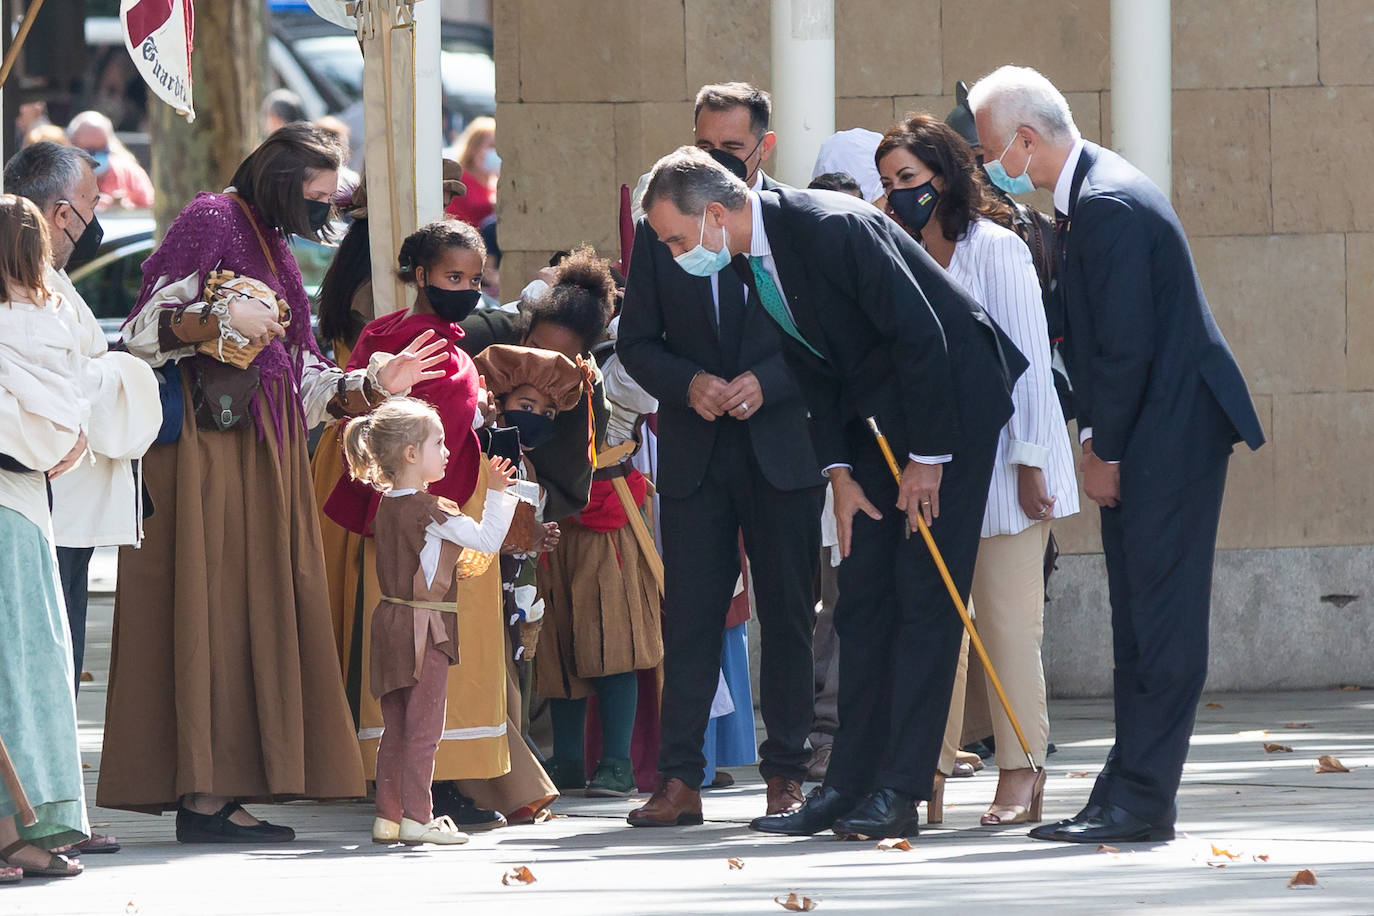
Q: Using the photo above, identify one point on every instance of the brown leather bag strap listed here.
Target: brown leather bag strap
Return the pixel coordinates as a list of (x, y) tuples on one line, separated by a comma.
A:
[(267, 252)]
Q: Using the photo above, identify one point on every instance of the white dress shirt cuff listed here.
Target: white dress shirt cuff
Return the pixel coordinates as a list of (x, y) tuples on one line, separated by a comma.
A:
[(1029, 454), (931, 459), (1087, 433), (829, 467)]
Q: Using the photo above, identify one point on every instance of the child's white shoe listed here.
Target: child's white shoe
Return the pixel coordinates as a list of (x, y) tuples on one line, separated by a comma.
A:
[(441, 831), (385, 832)]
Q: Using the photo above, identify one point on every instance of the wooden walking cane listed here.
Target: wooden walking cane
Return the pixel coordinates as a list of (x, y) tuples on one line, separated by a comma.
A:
[(24, 812), (958, 600)]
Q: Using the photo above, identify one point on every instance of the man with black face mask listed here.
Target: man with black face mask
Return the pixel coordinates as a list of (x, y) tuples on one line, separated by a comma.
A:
[(735, 457), (96, 503)]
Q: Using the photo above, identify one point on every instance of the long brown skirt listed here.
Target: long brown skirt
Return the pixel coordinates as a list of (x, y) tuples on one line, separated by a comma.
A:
[(223, 673), (601, 612)]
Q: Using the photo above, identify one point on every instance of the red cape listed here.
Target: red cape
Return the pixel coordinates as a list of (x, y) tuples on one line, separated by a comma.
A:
[(352, 504)]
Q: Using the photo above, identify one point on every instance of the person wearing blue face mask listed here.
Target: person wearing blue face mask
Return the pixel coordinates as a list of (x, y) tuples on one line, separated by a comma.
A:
[(734, 456), (1161, 403), (123, 182), (870, 326), (476, 153)]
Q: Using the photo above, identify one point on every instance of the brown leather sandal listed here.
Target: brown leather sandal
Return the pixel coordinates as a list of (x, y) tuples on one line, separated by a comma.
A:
[(56, 867)]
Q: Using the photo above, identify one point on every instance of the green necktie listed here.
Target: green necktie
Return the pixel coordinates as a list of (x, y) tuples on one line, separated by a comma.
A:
[(773, 304)]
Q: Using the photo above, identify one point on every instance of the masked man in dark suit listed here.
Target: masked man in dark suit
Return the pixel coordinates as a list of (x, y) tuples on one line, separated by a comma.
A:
[(1161, 402), (734, 459), (872, 327)]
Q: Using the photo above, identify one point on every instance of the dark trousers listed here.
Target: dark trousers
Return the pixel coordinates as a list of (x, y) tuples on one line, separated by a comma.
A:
[(1159, 550), (701, 562), (899, 632), (73, 567)]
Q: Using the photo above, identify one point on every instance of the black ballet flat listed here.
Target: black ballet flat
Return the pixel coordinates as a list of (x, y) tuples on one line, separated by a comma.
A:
[(193, 827)]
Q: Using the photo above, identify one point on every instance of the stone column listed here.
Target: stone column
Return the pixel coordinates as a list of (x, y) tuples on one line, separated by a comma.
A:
[(1142, 87), (803, 45)]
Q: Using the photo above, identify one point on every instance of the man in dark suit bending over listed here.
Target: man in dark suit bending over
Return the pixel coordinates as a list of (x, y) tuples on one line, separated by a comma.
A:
[(1161, 402), (871, 326)]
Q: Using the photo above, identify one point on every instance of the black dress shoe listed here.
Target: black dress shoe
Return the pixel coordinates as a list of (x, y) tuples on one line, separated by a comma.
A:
[(464, 812), (1047, 831), (884, 813), (217, 828), (818, 812), (1107, 824)]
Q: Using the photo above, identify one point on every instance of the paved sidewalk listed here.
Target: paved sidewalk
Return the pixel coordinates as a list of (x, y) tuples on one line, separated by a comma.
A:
[(1263, 816)]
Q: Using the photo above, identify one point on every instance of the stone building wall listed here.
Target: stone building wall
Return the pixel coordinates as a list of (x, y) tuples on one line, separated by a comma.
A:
[(1272, 124)]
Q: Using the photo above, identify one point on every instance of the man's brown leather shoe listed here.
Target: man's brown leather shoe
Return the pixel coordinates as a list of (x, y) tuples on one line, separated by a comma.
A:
[(784, 795), (672, 805)]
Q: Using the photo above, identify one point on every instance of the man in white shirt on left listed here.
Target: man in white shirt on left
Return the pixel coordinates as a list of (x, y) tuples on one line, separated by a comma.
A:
[(97, 503)]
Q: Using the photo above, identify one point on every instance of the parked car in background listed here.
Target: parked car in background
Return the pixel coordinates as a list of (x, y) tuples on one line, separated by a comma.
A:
[(110, 282)]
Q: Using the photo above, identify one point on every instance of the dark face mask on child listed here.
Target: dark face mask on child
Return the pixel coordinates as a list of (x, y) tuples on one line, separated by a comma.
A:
[(535, 428)]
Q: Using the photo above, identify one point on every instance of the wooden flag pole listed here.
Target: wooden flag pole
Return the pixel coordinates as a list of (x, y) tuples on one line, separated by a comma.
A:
[(17, 44)]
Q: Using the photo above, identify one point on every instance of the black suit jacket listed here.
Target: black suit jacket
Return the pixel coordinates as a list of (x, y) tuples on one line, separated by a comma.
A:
[(667, 334), (900, 340), (1152, 374)]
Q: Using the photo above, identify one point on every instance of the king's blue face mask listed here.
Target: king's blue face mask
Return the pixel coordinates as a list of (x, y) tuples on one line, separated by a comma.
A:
[(702, 261), (997, 174)]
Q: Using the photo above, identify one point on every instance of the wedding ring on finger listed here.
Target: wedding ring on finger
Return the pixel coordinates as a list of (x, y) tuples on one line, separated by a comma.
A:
[(744, 406)]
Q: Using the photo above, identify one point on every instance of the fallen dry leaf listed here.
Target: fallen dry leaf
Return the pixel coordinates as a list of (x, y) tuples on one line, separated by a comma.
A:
[(1214, 706), (518, 875), (795, 903), (1261, 858), (1105, 848), (1083, 775), (1270, 748), (85, 766), (1297, 725), (736, 863), (900, 844), (87, 677), (1216, 864), (1328, 764), (1304, 878), (1348, 687), (1218, 851)]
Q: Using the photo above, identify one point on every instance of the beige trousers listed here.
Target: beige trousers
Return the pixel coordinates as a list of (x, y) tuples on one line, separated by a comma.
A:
[(1009, 601)]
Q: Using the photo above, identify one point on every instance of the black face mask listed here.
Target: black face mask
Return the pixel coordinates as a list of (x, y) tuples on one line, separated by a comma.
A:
[(452, 305), (535, 428), (914, 206), (734, 164), (87, 245), (317, 211)]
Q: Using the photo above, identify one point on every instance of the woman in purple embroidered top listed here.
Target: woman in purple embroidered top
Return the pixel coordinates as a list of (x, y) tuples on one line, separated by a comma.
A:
[(224, 680)]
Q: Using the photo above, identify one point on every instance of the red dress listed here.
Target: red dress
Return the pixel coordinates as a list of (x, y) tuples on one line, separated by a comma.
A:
[(353, 504), (476, 205)]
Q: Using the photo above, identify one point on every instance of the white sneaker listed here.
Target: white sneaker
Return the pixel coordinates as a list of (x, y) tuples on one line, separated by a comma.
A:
[(441, 832), (385, 832)]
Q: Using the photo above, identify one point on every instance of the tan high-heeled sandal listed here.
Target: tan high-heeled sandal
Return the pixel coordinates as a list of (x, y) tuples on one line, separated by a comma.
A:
[(935, 808), (1016, 814)]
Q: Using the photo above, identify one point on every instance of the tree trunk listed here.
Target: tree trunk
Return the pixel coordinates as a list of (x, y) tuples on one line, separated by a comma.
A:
[(227, 67)]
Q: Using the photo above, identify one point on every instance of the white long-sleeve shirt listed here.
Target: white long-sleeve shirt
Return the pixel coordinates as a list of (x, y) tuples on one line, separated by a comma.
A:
[(97, 502), (486, 536), (995, 266)]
